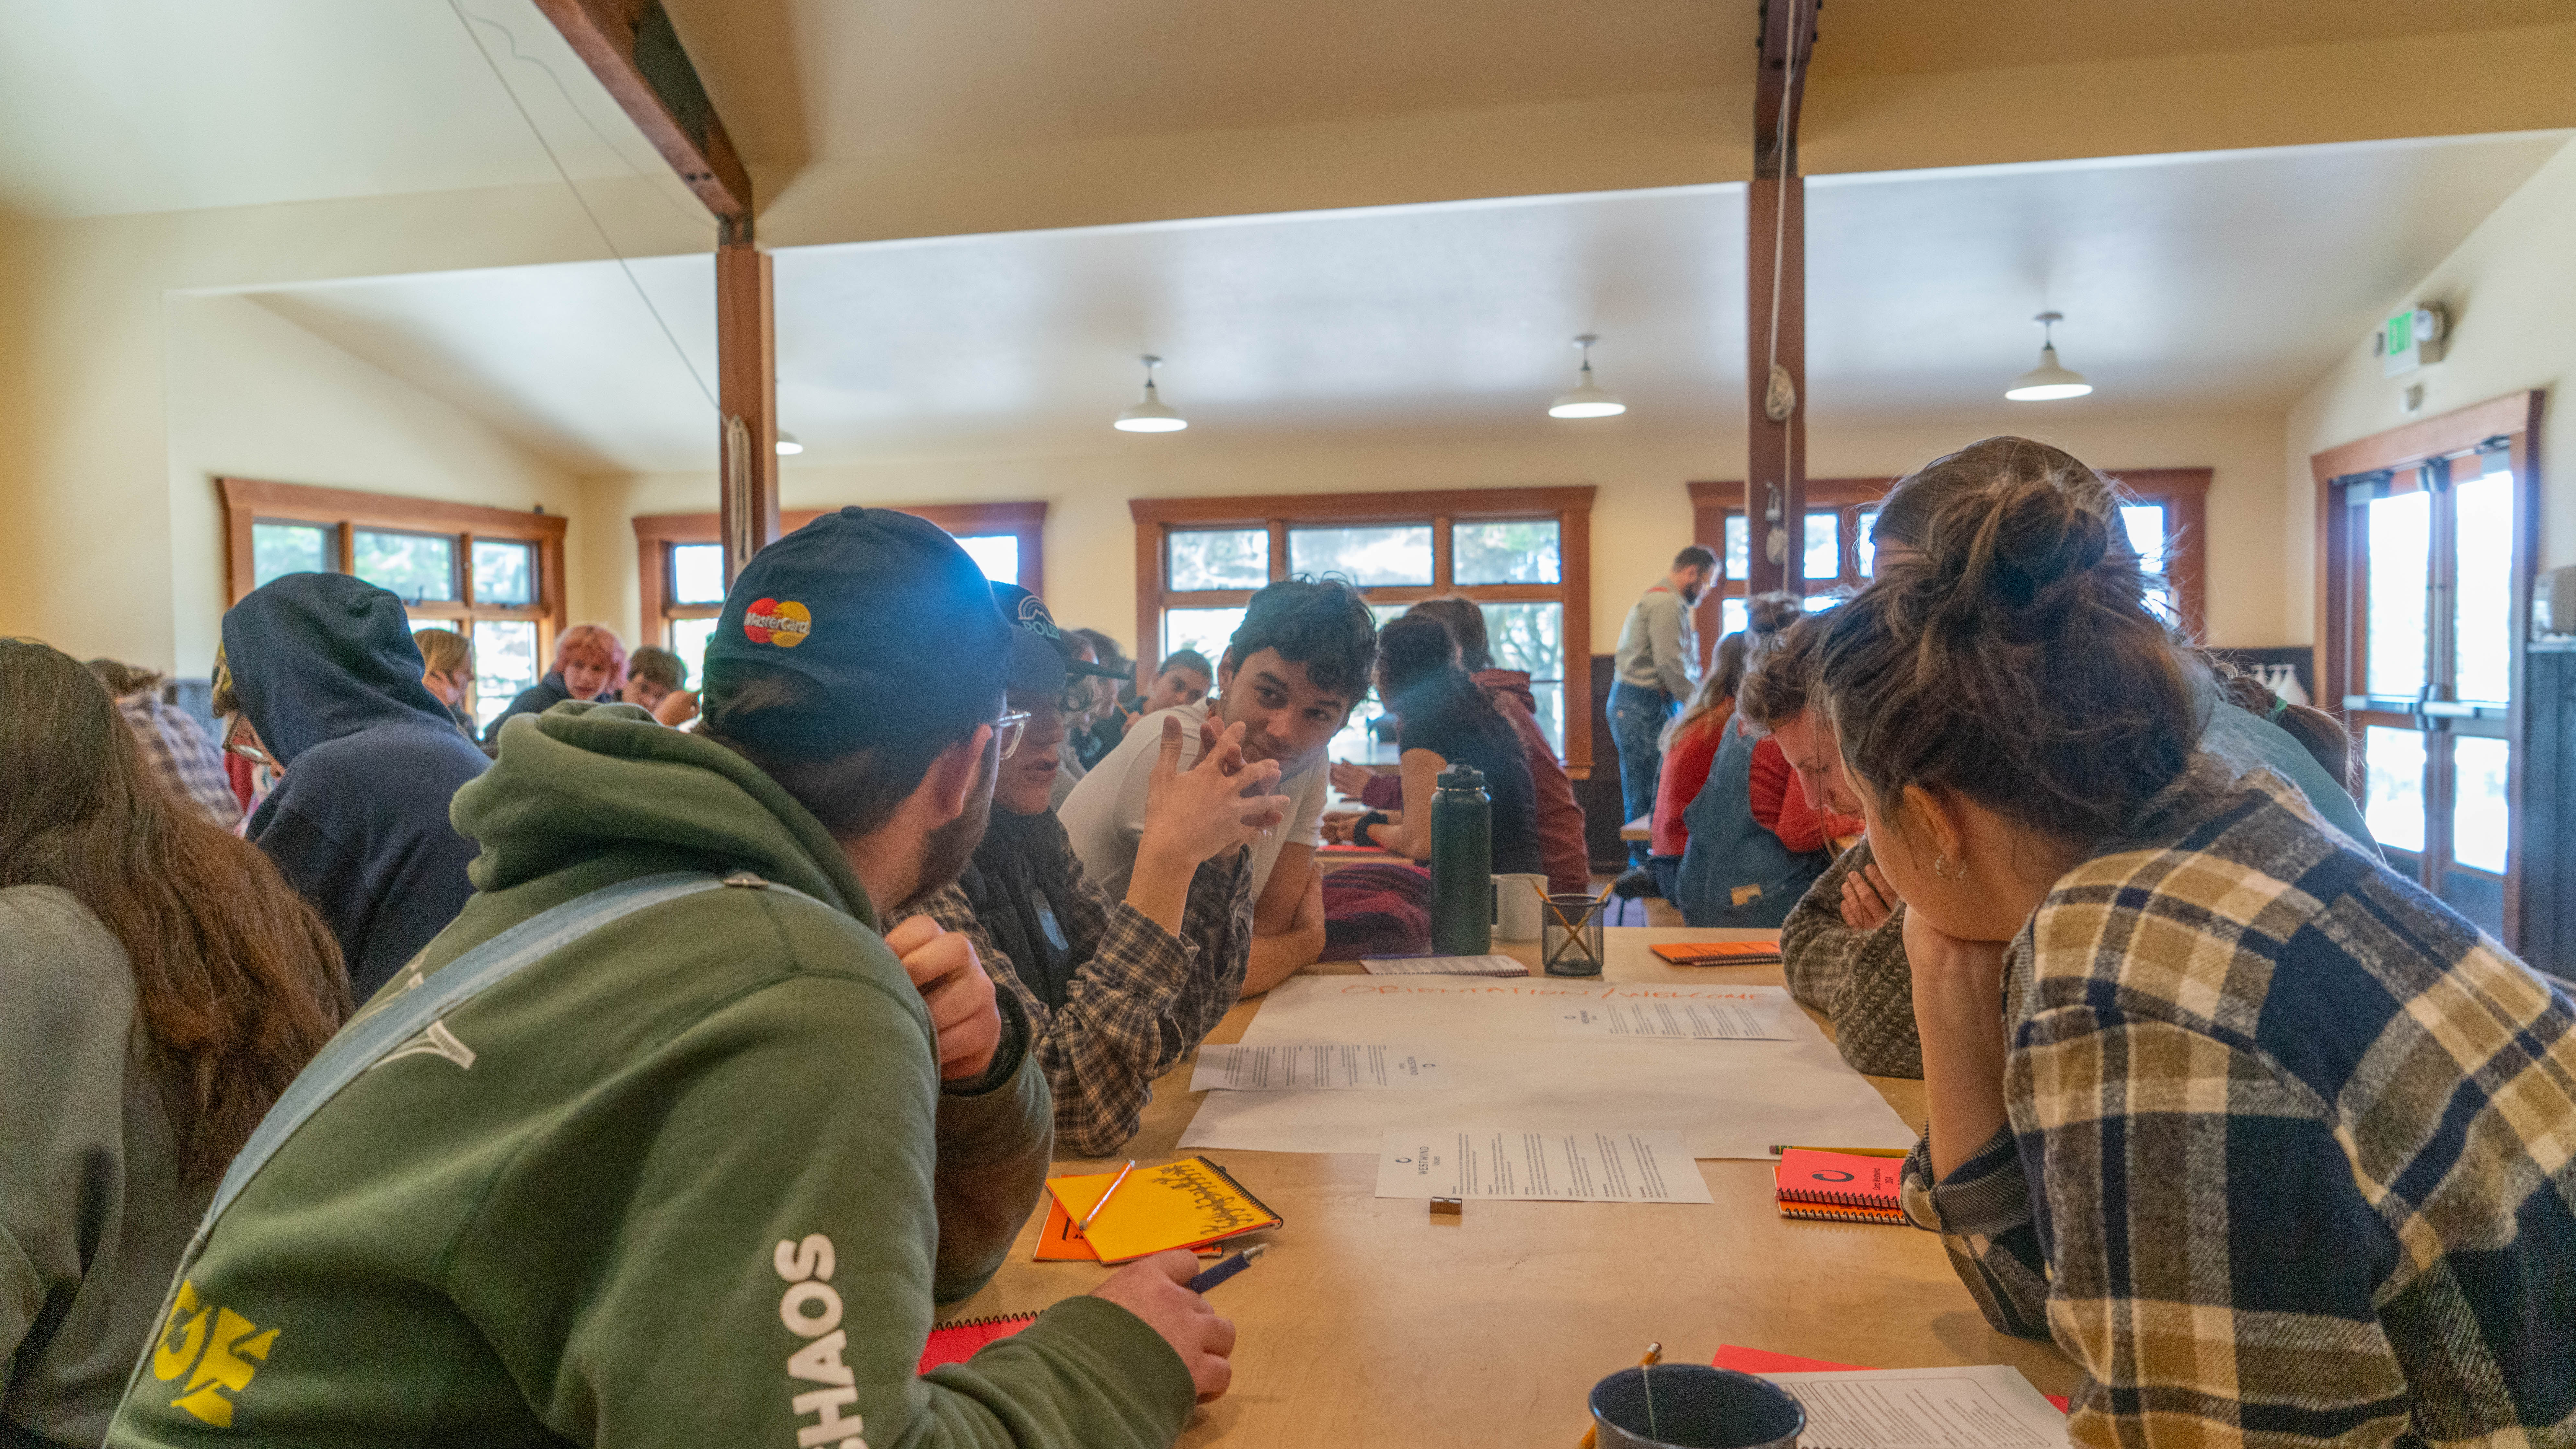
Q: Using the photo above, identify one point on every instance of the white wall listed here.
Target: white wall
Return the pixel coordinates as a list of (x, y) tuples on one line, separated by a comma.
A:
[(252, 395), (2510, 290), (1641, 514), (102, 552)]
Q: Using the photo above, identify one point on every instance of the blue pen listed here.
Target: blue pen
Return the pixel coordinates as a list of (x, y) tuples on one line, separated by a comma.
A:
[(1228, 1268)]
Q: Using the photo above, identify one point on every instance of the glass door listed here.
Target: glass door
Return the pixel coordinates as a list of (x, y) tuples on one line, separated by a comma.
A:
[(2428, 588)]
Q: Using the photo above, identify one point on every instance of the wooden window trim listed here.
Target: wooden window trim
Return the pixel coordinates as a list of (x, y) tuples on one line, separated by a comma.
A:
[(656, 532), (1570, 506), (250, 500), (2183, 493), (2400, 456)]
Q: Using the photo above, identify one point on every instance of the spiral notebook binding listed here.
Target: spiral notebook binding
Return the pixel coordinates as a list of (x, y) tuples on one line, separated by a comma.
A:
[(994, 1321), (1838, 1199), (1830, 1213)]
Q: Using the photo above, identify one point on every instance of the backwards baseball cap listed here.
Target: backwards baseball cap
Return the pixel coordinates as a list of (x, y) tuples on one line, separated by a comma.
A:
[(1041, 657), (882, 612)]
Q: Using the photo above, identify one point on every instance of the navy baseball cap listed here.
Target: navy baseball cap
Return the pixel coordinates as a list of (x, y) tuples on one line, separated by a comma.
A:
[(883, 613), (1041, 658)]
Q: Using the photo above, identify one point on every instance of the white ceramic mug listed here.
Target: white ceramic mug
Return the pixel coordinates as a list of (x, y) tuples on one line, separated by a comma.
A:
[(1517, 908)]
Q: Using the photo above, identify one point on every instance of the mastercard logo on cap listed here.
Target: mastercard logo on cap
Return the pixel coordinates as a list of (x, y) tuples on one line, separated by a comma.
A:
[(770, 621)]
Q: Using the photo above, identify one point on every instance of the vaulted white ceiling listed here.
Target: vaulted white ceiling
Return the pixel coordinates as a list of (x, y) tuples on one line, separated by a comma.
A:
[(159, 105), (2213, 282)]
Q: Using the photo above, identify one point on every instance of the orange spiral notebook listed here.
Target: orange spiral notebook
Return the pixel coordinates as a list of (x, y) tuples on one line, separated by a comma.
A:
[(1719, 953), (1839, 1187)]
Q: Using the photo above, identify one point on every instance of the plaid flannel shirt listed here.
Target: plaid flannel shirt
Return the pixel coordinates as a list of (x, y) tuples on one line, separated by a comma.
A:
[(1858, 979), (2289, 1153), (1140, 998), (181, 757)]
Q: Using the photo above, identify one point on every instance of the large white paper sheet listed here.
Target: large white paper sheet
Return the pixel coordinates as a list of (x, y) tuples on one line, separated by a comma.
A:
[(1988, 1406), (1314, 1068), (1502, 1051), (1565, 1164)]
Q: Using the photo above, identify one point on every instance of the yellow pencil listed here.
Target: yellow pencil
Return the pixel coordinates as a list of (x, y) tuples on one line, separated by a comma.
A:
[(1085, 1222), (1654, 1356)]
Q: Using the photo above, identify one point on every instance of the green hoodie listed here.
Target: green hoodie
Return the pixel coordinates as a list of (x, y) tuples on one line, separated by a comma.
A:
[(690, 1182)]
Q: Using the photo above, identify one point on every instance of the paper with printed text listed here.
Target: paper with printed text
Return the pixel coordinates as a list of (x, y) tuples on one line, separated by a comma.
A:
[(1311, 1067), (1546, 1164), (1988, 1406), (1672, 1021)]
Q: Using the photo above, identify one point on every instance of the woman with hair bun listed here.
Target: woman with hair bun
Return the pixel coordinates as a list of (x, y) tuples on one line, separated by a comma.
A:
[(1843, 947), (1750, 839), (2305, 746), (2273, 1143)]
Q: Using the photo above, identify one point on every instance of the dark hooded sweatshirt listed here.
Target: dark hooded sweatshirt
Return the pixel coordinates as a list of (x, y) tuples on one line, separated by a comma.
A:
[(327, 672), (537, 698)]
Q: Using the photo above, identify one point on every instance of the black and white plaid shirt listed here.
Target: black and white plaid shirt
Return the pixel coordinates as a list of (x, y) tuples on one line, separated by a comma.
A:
[(1140, 997)]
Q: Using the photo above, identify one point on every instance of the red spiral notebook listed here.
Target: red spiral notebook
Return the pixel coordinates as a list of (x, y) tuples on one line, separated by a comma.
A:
[(1838, 1187), (957, 1342)]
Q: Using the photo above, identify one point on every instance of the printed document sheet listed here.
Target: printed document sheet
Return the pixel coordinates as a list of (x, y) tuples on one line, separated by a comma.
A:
[(1313, 1068), (1442, 966), (1673, 1021), (1990, 1406), (1551, 1164), (1502, 1048)]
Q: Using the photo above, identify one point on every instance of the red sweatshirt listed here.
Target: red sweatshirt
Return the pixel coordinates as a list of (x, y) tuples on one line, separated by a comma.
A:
[(1685, 770)]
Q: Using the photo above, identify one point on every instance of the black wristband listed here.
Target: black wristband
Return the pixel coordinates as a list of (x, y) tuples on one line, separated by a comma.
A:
[(1359, 832)]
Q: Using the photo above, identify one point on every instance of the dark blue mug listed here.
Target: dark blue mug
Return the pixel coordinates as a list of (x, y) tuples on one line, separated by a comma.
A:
[(1693, 1407)]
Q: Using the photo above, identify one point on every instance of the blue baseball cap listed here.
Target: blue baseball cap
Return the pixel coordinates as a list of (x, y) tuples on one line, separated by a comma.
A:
[(883, 613), (1041, 658)]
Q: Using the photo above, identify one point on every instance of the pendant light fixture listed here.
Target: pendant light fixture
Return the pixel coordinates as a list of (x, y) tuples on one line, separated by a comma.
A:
[(2048, 382), (788, 447), (1149, 415), (1586, 401)]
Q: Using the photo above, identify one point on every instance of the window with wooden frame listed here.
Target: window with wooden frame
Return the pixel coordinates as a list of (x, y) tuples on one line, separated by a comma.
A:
[(2427, 538), (1523, 554), (490, 574), (679, 562), (2165, 517)]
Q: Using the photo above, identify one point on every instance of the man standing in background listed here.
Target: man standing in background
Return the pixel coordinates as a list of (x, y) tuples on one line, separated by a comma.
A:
[(1658, 663)]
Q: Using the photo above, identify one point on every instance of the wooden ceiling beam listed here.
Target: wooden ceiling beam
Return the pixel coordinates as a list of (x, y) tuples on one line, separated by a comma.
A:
[(631, 47)]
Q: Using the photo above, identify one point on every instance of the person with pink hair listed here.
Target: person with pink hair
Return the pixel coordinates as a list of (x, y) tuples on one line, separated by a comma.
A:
[(590, 663)]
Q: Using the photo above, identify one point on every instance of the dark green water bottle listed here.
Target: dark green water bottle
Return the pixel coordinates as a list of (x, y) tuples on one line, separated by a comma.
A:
[(1462, 864)]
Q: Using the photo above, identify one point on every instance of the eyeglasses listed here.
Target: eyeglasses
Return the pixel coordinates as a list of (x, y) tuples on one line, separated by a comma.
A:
[(248, 749), (1008, 729)]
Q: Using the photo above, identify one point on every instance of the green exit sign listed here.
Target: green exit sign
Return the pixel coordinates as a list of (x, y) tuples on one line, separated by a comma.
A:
[(2409, 340)]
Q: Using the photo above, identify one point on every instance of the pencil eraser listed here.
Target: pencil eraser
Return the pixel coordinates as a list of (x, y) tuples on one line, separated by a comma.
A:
[(1447, 1207)]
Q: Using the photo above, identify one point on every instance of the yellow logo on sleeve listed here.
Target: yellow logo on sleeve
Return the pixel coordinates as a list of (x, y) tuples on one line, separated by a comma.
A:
[(223, 1348)]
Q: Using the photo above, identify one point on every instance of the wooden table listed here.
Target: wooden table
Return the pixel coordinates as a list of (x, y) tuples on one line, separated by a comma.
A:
[(1641, 828), (1368, 1323)]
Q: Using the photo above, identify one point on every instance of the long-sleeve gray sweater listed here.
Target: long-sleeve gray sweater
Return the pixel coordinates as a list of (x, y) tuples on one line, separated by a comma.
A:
[(92, 1214)]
